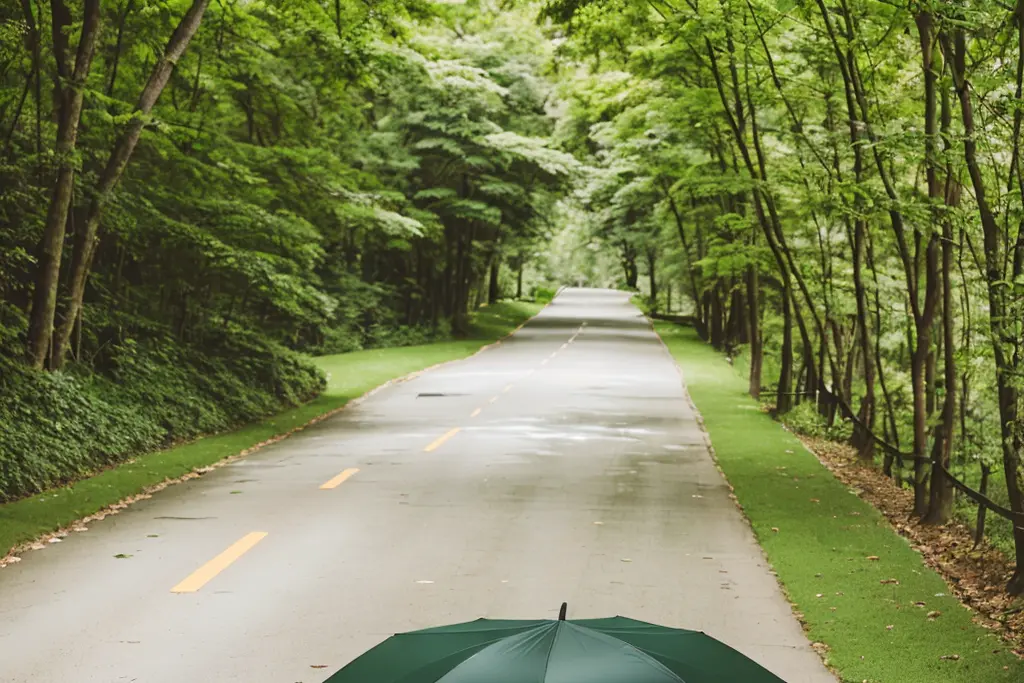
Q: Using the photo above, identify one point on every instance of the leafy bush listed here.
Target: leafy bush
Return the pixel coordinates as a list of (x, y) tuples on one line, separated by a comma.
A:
[(61, 426), (805, 419), (543, 294)]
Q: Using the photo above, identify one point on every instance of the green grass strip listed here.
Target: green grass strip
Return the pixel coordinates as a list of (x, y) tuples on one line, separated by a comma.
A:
[(350, 375), (876, 630)]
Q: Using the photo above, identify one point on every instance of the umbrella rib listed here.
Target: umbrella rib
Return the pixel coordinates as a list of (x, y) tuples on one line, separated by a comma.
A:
[(477, 646), (641, 652), (551, 648)]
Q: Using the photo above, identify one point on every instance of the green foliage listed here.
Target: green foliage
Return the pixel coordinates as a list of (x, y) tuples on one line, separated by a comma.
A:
[(806, 419), (348, 376), (319, 177), (543, 294), (62, 426), (817, 534)]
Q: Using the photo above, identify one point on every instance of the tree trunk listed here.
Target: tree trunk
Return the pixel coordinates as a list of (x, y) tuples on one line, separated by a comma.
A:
[(44, 301), (87, 237), (940, 509), (116, 61), (629, 265), (493, 287), (691, 272), (754, 317), (1006, 352), (652, 278), (717, 318), (784, 394)]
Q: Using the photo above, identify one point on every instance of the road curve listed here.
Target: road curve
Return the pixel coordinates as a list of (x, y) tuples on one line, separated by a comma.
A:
[(563, 465)]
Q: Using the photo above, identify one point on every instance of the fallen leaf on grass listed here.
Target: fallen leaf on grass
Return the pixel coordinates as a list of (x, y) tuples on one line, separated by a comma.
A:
[(873, 558), (934, 614), (976, 575), (891, 581), (952, 657), (775, 529)]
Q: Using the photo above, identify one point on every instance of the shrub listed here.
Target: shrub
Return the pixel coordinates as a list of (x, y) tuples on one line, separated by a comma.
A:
[(543, 294), (57, 427)]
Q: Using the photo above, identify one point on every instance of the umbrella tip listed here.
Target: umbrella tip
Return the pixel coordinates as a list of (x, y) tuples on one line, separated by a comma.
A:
[(562, 611)]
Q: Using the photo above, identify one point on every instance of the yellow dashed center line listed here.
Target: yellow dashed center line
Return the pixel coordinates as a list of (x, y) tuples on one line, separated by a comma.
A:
[(565, 345), (208, 571), (338, 480), (475, 412), (492, 399), (508, 388), (545, 361), (436, 443)]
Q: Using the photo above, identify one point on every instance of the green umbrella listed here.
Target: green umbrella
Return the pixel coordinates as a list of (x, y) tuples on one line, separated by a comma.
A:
[(613, 650)]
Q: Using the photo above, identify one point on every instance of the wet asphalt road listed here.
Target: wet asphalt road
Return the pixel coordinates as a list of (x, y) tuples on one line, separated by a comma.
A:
[(564, 464)]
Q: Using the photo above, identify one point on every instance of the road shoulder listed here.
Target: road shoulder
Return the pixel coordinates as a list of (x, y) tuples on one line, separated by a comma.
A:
[(33, 522), (875, 611)]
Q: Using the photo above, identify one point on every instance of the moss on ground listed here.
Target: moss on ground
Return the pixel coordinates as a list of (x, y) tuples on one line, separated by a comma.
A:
[(861, 588)]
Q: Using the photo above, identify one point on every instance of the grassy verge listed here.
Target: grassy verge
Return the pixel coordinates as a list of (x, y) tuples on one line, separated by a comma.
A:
[(860, 587), (349, 375)]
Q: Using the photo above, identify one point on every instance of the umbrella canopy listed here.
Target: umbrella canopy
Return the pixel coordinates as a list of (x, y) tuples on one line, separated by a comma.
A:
[(613, 650)]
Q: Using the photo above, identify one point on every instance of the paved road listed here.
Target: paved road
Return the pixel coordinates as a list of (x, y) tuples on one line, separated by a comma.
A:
[(564, 464)]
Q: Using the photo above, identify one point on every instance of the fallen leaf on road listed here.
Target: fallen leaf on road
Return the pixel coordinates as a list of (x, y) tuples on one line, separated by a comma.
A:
[(122, 556), (626, 559), (317, 666), (424, 581), (599, 523)]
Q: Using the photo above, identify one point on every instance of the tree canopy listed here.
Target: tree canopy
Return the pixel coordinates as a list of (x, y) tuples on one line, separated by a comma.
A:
[(830, 189), (836, 187)]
